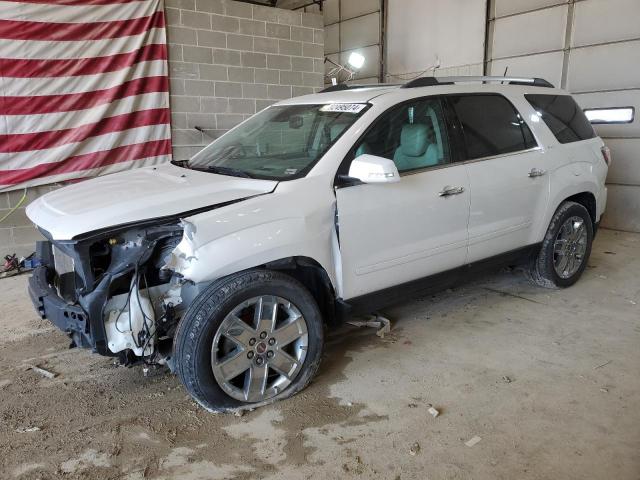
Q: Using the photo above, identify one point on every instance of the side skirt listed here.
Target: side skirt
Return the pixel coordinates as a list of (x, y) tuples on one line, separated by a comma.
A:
[(371, 302)]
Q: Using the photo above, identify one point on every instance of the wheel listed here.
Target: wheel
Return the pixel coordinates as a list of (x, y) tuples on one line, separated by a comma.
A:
[(565, 249), (247, 340)]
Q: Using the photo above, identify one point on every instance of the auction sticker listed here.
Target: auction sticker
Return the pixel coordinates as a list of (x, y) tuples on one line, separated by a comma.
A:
[(344, 107)]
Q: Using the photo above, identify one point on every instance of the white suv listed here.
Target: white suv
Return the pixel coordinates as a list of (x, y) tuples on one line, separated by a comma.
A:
[(228, 268)]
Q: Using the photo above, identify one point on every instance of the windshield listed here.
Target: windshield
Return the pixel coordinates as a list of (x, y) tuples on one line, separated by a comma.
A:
[(279, 143)]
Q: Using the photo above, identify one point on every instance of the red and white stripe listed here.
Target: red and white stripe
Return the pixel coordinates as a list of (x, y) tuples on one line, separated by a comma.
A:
[(84, 89)]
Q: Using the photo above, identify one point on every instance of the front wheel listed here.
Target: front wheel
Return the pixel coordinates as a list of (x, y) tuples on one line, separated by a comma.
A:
[(565, 249), (247, 340)]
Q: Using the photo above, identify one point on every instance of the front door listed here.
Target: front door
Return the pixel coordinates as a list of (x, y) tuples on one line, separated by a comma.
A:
[(394, 233)]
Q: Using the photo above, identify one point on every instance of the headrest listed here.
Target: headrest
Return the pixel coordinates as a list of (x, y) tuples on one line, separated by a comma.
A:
[(414, 140)]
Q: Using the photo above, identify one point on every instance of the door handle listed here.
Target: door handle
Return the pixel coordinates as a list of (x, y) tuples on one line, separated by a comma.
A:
[(448, 191), (536, 172)]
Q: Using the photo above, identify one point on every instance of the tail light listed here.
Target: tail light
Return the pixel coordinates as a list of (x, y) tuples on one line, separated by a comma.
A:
[(606, 155)]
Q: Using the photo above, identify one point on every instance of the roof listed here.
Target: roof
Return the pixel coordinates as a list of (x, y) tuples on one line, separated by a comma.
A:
[(358, 95), (366, 93)]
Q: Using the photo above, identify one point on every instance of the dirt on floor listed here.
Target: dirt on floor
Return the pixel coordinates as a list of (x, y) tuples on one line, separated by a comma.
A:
[(546, 379)]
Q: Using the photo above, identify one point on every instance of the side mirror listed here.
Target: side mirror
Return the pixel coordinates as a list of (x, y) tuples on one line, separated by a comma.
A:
[(372, 169)]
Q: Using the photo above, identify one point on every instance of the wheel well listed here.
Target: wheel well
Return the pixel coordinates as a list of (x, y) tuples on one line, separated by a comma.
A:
[(588, 201), (311, 274)]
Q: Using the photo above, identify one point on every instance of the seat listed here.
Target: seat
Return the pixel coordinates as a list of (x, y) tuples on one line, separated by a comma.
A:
[(362, 149), (336, 130), (415, 150)]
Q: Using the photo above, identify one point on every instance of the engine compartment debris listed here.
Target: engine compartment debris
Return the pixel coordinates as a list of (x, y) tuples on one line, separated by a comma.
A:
[(27, 429), (374, 320), (415, 449), (42, 371), (602, 365), (472, 441)]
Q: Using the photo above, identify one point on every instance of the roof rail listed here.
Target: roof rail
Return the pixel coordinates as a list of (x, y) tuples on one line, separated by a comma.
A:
[(424, 82), (432, 81), (344, 86)]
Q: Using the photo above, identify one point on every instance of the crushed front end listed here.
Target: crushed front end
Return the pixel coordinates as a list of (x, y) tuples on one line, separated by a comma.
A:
[(112, 291)]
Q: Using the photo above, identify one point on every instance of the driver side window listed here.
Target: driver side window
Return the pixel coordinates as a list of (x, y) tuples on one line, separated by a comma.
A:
[(413, 135)]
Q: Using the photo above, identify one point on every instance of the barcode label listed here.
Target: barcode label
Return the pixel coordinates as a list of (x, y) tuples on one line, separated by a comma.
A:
[(344, 107)]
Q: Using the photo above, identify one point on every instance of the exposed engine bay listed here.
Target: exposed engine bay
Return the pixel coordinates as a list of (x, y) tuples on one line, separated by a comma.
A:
[(120, 296)]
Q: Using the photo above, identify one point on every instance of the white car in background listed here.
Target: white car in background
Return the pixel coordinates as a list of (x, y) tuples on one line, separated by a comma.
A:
[(229, 268)]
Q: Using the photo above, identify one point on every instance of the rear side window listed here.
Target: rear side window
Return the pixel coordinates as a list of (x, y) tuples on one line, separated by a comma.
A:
[(491, 125), (563, 116)]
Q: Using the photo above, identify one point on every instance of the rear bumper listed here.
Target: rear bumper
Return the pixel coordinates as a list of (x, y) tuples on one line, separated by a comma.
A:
[(71, 319)]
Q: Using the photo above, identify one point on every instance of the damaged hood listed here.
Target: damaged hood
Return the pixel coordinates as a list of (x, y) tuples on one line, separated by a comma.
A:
[(136, 195)]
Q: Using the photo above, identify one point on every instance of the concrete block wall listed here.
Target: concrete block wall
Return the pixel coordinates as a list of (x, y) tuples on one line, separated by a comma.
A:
[(17, 234), (228, 60)]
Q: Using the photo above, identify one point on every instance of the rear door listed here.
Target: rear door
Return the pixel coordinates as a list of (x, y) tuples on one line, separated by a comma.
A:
[(394, 233), (507, 171)]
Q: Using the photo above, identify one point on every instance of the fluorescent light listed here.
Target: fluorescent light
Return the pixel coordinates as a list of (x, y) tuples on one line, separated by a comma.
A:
[(610, 115), (356, 60)]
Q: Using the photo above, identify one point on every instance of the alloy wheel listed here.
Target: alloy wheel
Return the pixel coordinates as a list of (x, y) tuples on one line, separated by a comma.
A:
[(569, 247), (259, 348)]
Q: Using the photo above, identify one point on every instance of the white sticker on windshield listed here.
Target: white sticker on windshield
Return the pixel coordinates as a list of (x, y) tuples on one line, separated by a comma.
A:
[(344, 107), (291, 171)]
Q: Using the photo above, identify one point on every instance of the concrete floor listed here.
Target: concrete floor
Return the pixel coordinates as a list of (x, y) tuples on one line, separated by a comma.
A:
[(549, 380)]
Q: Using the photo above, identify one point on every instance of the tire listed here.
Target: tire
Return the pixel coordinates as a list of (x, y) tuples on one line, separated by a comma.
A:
[(209, 335), (546, 269)]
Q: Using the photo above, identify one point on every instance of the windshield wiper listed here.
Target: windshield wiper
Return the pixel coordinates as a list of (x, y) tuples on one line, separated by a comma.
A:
[(234, 172)]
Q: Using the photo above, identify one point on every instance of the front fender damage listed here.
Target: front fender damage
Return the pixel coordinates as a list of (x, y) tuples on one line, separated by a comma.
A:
[(182, 258)]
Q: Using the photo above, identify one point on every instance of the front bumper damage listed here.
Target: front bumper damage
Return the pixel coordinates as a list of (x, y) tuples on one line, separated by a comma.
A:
[(120, 275), (80, 310), (71, 319)]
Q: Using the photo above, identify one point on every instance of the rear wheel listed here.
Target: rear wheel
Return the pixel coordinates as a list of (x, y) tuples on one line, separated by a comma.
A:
[(248, 340), (565, 249)]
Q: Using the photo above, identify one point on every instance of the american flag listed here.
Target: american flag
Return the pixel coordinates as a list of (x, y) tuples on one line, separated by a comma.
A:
[(83, 89)]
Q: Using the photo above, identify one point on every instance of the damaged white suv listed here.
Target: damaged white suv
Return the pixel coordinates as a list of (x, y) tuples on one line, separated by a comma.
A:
[(229, 268)]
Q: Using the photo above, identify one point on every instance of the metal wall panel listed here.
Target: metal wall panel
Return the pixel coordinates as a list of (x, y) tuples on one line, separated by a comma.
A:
[(510, 7), (420, 32), (473, 70), (360, 32), (625, 98), (605, 67), (535, 32), (331, 11), (368, 80), (625, 167), (599, 62), (623, 205), (332, 38), (350, 9), (545, 65), (601, 21), (353, 25)]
